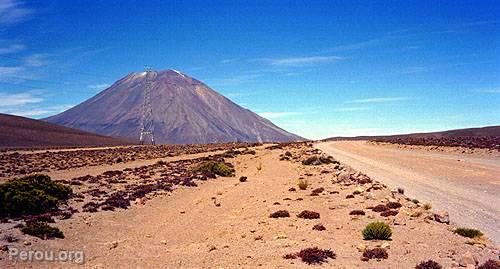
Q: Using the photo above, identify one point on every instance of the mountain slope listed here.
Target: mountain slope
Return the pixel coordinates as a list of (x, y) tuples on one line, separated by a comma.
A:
[(185, 111), (18, 131), (489, 131)]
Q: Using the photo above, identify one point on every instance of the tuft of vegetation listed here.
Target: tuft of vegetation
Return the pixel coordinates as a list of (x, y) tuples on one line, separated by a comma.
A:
[(218, 168), (161, 162), (42, 230), (467, 232), (319, 227), (490, 264), (357, 213), (430, 264), (31, 195), (280, 214), (313, 255), (306, 214), (349, 196), (302, 184), (427, 206), (377, 231), (243, 179), (375, 253)]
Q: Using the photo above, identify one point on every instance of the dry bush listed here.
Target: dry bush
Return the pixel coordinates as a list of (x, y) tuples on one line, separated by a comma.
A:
[(280, 214), (302, 184), (375, 253), (306, 214), (490, 264), (357, 213), (319, 227), (430, 264), (312, 255)]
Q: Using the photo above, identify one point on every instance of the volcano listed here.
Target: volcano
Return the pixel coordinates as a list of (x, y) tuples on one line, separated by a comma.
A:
[(185, 111)]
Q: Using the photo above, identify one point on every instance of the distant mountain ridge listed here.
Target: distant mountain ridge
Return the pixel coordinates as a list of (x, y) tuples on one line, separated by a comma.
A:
[(492, 131), (185, 111), (16, 132)]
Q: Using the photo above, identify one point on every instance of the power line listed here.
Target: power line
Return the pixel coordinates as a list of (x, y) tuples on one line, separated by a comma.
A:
[(147, 123)]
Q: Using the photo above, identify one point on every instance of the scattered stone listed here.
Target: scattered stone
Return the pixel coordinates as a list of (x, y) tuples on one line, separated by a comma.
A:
[(442, 217), (467, 258), (113, 245), (361, 247)]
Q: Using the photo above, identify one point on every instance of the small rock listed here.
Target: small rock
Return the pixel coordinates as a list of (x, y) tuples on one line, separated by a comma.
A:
[(163, 242), (442, 217), (361, 247), (386, 246), (211, 248), (467, 258), (113, 245), (281, 236), (26, 243)]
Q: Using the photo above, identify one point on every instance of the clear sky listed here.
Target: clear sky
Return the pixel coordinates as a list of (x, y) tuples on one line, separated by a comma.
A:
[(315, 68)]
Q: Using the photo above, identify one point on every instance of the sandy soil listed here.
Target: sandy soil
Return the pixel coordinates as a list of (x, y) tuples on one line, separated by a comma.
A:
[(186, 228), (465, 185)]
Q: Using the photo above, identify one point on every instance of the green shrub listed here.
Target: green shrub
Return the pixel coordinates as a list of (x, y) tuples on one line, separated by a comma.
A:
[(470, 233), (377, 231), (218, 168), (30, 195), (42, 230)]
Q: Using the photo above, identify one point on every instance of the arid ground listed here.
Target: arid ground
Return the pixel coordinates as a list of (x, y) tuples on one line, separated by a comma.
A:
[(224, 222), (467, 185)]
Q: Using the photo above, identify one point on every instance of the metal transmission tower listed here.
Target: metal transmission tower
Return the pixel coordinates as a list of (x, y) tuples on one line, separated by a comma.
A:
[(147, 124)]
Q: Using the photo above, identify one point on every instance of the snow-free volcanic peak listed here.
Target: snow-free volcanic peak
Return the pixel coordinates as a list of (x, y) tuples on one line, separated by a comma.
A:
[(185, 111)]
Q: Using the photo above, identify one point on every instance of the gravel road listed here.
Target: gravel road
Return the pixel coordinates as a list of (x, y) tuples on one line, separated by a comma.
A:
[(466, 186)]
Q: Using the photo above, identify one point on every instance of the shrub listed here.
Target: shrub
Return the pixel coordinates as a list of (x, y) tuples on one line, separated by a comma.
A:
[(467, 232), (34, 194), (280, 214), (375, 253), (430, 264), (349, 196), (302, 184), (218, 168), (243, 179), (42, 230), (388, 213), (161, 162), (315, 255), (357, 213), (393, 205), (427, 206), (380, 208), (378, 231), (306, 214), (319, 227), (318, 190), (490, 264)]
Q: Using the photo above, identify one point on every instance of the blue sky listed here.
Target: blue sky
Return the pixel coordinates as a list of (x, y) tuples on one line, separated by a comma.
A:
[(316, 68)]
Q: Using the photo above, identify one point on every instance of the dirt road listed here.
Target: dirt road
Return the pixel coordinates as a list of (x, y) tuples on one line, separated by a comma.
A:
[(466, 186)]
